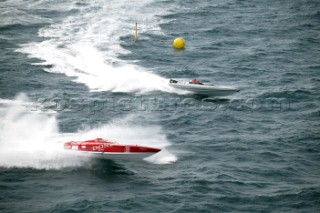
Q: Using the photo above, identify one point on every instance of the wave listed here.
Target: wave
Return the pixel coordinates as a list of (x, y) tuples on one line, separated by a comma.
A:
[(87, 44), (13, 16), (32, 139)]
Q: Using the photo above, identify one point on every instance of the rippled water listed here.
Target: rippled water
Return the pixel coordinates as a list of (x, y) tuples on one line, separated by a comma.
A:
[(71, 71)]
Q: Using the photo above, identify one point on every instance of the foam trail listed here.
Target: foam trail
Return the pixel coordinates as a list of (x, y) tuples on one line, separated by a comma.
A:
[(134, 134), (32, 139), (88, 65), (87, 44)]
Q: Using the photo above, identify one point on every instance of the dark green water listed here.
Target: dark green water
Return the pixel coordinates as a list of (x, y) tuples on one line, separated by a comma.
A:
[(71, 71)]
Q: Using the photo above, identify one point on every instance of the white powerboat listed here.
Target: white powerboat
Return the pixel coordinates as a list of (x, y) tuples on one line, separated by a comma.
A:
[(199, 88)]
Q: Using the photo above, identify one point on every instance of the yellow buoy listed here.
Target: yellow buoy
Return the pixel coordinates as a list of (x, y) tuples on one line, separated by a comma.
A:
[(179, 43)]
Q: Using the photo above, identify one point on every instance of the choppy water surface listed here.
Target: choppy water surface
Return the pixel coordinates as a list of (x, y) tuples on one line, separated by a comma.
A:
[(71, 71)]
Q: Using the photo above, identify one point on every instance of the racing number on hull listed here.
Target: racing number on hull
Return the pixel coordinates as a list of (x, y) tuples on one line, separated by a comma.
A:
[(98, 148)]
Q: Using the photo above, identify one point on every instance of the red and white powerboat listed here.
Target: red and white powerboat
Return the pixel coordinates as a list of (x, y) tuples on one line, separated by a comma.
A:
[(109, 149)]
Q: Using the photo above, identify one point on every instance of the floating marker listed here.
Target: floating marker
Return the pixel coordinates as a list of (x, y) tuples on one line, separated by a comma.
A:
[(179, 43), (136, 33)]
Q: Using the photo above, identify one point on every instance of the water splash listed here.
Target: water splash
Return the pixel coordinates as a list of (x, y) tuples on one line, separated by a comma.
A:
[(86, 46), (32, 138)]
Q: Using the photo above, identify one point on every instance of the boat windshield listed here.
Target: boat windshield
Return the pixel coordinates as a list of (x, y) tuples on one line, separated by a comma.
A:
[(173, 81), (196, 81)]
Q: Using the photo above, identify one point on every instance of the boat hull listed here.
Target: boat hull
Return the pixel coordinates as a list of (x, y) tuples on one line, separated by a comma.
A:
[(100, 148), (206, 90), (113, 156)]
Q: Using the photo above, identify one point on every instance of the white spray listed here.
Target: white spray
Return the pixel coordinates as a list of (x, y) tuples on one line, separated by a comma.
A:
[(32, 139), (86, 46)]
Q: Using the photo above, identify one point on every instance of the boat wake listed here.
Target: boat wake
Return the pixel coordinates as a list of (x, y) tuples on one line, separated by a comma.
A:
[(32, 139), (86, 46)]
